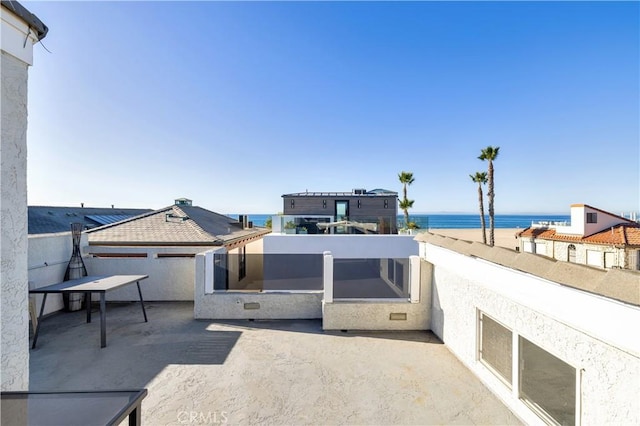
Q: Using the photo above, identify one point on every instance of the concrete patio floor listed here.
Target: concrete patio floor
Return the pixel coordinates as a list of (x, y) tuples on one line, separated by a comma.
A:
[(261, 372)]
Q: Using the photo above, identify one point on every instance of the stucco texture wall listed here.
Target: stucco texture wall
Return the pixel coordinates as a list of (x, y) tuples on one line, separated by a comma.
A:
[(49, 256), (13, 227), (170, 278), (580, 329)]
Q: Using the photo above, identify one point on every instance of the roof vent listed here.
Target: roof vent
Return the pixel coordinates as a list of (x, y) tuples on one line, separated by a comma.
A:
[(170, 217), (183, 202), (360, 191)]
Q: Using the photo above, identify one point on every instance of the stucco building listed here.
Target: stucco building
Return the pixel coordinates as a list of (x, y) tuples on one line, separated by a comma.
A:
[(20, 31), (593, 237)]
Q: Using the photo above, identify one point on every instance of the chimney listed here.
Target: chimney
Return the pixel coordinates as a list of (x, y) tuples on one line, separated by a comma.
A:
[(244, 220)]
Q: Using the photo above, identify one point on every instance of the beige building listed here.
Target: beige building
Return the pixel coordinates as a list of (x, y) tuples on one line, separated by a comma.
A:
[(594, 237)]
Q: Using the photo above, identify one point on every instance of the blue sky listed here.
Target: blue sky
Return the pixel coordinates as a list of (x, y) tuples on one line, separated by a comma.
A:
[(233, 104)]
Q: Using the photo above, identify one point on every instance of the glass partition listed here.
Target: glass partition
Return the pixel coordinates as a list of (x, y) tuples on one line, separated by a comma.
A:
[(268, 272), (547, 384), (375, 278)]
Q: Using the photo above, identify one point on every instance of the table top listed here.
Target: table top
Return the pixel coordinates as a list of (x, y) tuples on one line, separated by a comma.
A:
[(69, 408), (95, 284)]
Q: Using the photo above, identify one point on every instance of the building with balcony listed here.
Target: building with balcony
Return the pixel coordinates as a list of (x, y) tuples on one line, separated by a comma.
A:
[(594, 237), (356, 212)]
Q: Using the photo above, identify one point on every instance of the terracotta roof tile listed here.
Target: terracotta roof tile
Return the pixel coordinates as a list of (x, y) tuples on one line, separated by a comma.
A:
[(619, 235)]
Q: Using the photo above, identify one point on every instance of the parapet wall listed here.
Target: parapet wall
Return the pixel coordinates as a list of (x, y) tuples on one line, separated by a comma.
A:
[(592, 333)]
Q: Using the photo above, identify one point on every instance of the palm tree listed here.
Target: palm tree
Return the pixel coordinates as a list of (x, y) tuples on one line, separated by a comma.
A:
[(406, 205), (406, 178), (481, 178), (489, 154)]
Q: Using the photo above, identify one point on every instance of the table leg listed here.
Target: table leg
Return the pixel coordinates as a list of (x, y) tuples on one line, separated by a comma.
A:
[(103, 319), (135, 417), (87, 300), (142, 301), (35, 335)]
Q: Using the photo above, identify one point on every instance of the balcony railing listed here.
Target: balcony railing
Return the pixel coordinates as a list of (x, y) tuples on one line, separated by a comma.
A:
[(267, 272), (341, 278), (371, 278)]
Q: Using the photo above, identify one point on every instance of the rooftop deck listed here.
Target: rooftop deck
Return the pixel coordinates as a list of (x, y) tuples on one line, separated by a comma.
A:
[(249, 372)]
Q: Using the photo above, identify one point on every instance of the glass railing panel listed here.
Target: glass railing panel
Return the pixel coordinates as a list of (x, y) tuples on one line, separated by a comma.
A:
[(268, 272), (372, 278)]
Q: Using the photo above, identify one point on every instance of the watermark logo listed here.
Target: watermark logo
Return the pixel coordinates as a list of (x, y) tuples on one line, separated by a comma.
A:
[(193, 417)]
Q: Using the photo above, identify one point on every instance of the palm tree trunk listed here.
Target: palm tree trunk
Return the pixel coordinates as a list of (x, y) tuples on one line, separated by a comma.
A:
[(406, 211), (491, 195), (482, 221)]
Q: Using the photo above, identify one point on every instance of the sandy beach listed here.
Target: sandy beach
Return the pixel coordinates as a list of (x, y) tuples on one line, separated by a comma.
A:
[(504, 237)]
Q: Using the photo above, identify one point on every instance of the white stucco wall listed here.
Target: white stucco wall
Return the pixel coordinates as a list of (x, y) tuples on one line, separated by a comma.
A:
[(169, 278), (592, 333), (343, 246), (376, 315), (49, 255), (14, 317), (13, 226), (586, 254)]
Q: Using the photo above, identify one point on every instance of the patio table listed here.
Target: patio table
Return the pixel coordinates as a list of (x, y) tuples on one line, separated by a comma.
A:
[(72, 408), (88, 285)]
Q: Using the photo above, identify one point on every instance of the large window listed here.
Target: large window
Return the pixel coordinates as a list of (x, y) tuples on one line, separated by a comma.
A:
[(496, 350), (342, 214), (547, 384)]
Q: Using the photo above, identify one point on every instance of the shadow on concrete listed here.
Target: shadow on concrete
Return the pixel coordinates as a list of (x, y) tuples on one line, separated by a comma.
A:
[(69, 348), (314, 326)]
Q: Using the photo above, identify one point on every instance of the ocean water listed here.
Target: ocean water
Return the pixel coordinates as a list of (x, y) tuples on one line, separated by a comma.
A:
[(465, 221)]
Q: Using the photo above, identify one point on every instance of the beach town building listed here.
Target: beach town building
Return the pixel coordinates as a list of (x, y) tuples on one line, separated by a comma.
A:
[(356, 212), (164, 243), (593, 237)]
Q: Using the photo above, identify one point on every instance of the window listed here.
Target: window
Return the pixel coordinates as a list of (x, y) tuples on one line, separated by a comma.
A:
[(495, 349), (592, 217), (609, 259), (571, 253), (594, 258), (342, 213), (547, 384)]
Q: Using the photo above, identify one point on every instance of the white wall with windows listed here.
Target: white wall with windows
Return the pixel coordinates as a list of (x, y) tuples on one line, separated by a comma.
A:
[(576, 345), (596, 255)]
